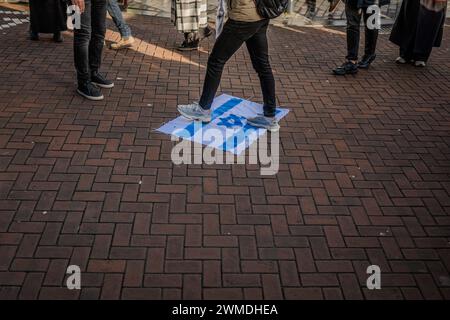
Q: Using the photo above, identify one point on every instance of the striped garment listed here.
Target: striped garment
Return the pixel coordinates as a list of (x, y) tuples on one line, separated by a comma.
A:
[(189, 15)]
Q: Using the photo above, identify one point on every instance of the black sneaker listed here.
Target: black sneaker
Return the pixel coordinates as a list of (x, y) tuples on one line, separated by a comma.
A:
[(57, 37), (99, 80), (346, 68), (189, 45), (366, 61), (33, 36), (89, 91)]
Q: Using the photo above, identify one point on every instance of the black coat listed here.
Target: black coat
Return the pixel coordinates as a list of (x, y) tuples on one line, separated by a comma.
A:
[(418, 25), (367, 3), (48, 16)]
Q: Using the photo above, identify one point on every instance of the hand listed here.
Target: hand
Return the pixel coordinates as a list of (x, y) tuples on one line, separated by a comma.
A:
[(80, 4)]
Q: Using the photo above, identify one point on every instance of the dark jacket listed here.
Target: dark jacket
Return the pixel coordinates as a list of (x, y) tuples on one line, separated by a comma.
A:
[(367, 3)]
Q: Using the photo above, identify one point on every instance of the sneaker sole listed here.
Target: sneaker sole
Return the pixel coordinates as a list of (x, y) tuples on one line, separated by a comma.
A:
[(104, 86), (188, 49), (343, 74), (121, 47), (196, 118), (90, 97), (271, 129)]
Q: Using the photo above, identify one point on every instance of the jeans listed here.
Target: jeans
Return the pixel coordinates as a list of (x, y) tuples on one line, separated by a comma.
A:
[(353, 22), (89, 39), (234, 34), (117, 16)]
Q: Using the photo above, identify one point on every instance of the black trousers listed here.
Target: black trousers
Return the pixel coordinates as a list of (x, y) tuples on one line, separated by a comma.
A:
[(89, 39), (234, 34), (354, 14)]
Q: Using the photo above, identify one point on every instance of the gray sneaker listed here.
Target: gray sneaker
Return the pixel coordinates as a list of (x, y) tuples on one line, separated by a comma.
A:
[(260, 121), (193, 111)]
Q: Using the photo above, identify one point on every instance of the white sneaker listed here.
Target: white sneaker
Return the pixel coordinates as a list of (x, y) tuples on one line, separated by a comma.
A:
[(420, 64), (193, 111), (400, 60)]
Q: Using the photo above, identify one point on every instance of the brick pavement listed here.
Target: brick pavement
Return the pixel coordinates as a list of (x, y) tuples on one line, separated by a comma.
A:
[(364, 176)]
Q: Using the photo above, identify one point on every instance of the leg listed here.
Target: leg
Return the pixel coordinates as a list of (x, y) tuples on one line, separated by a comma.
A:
[(117, 17), (259, 53), (98, 25), (81, 42), (353, 22), (229, 41), (371, 36)]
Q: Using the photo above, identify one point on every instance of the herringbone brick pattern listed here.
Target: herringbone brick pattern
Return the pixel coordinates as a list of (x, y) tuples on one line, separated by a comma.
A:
[(364, 176)]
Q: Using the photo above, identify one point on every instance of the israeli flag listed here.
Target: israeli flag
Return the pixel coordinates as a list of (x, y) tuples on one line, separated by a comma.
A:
[(228, 129)]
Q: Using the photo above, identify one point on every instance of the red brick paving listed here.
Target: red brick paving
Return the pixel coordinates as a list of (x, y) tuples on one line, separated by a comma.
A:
[(364, 176)]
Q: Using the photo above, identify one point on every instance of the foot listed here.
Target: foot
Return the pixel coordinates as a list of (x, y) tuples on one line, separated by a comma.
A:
[(208, 31), (189, 45), (420, 64), (346, 68), (333, 5), (310, 13), (89, 91), (125, 42), (57, 37), (366, 61), (260, 121), (195, 112), (99, 80), (401, 60), (34, 36)]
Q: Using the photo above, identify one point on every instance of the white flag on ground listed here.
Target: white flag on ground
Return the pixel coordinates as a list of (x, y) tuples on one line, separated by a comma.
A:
[(221, 12)]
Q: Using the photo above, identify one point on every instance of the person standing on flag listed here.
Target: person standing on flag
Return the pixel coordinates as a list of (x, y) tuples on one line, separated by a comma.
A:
[(244, 25)]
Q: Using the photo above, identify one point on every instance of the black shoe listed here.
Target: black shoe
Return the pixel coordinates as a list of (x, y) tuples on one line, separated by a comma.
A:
[(346, 68), (189, 45), (99, 80), (366, 61), (57, 37), (89, 91), (208, 31), (34, 36)]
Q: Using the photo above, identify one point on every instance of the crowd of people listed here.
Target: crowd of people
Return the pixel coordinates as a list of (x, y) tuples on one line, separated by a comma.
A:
[(417, 29)]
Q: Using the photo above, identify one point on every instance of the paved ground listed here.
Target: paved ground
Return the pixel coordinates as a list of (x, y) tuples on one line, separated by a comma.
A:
[(364, 176)]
